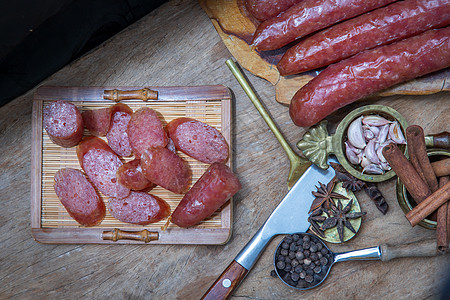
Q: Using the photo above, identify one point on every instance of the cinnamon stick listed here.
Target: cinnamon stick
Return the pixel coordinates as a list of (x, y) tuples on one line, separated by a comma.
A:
[(441, 167), (418, 154), (443, 221), (418, 189), (430, 204)]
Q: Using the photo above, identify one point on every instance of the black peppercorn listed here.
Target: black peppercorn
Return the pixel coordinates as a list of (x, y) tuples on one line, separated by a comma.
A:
[(302, 274), (324, 251), (288, 260), (295, 277), (306, 253), (314, 256), (309, 278), (307, 261), (306, 244), (323, 261), (281, 265), (306, 238), (287, 268), (281, 257), (313, 248), (319, 246), (294, 263), (317, 269), (292, 255), (285, 245), (299, 255), (288, 239), (295, 237), (284, 252), (298, 269), (293, 247)]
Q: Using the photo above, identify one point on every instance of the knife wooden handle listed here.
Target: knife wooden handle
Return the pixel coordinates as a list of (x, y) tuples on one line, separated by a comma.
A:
[(143, 94), (226, 283)]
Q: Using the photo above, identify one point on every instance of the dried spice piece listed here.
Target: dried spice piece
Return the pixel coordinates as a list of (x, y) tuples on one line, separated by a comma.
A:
[(316, 216), (324, 196), (374, 193), (339, 216), (349, 182)]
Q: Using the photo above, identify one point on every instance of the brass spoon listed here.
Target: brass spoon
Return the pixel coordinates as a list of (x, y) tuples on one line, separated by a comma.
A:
[(298, 165)]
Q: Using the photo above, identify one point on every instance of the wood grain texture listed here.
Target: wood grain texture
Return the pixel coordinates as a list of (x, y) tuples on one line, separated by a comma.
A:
[(236, 29), (178, 45)]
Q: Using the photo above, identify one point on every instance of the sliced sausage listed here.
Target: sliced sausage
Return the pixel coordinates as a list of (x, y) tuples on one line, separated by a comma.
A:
[(130, 176), (79, 197), (101, 164), (209, 193), (369, 72), (117, 135), (166, 169), (198, 140), (98, 121), (139, 208), (266, 9), (63, 123), (145, 130), (384, 25), (307, 17)]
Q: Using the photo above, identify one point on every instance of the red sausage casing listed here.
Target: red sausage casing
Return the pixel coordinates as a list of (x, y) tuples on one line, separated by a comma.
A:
[(266, 9), (396, 21), (166, 169), (101, 164), (79, 197), (145, 130), (130, 176), (368, 72), (209, 193), (307, 17), (98, 121), (139, 208), (63, 123), (198, 140)]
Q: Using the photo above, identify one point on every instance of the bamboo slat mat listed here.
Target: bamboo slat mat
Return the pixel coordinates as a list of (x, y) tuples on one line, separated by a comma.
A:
[(54, 157)]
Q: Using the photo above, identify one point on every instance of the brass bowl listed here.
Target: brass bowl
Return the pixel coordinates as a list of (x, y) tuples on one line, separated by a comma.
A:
[(316, 144), (404, 198)]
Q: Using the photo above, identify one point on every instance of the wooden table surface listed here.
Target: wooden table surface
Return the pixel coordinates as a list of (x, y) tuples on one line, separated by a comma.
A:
[(177, 45)]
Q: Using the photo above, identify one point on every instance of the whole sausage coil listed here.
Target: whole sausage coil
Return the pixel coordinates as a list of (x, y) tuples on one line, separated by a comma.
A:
[(396, 21), (368, 72), (307, 17), (266, 9)]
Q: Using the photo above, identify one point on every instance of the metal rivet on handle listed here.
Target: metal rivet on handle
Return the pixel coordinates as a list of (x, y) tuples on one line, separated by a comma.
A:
[(226, 283)]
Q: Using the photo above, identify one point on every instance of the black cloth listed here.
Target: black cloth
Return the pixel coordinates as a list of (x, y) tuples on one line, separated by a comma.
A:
[(73, 28)]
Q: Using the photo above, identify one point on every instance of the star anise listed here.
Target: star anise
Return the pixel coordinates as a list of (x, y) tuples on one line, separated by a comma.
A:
[(315, 217), (349, 182), (324, 195), (339, 216)]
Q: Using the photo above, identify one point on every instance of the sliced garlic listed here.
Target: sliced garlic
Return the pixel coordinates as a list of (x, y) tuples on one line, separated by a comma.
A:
[(375, 120), (395, 133), (355, 134), (373, 169), (351, 155), (384, 131)]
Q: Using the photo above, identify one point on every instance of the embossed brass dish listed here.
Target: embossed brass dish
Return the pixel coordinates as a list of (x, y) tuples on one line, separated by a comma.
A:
[(317, 144), (403, 197)]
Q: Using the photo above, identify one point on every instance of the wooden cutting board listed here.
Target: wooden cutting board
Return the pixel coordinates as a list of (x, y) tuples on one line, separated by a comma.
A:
[(236, 29), (50, 221)]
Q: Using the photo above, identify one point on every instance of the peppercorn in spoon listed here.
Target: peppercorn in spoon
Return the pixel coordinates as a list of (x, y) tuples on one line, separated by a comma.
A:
[(303, 261)]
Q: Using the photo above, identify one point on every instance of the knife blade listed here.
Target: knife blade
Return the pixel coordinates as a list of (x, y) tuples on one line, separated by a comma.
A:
[(290, 216)]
